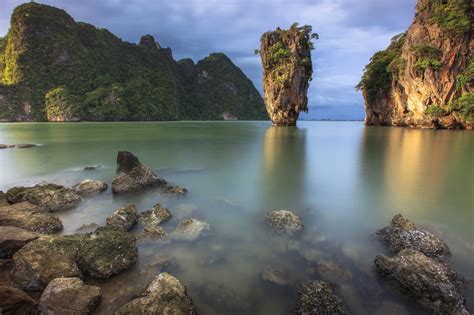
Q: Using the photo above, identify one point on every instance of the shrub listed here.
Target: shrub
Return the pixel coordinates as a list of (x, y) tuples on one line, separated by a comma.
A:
[(434, 110)]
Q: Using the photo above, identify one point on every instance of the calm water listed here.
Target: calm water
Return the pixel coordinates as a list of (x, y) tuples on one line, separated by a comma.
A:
[(345, 181)]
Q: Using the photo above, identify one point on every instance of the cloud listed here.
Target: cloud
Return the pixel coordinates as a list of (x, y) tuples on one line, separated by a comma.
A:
[(350, 32)]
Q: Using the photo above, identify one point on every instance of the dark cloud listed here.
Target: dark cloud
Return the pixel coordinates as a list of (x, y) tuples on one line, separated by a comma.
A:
[(350, 32)]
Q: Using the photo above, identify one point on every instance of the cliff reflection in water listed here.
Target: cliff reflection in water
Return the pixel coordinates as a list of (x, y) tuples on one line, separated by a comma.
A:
[(283, 167)]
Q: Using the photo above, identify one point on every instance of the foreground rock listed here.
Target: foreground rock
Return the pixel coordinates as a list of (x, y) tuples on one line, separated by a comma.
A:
[(287, 69), (18, 146), (283, 221), (190, 229), (69, 296), (123, 218), (317, 297), (99, 255), (132, 175), (89, 187), (50, 197), (12, 239), (403, 234), (15, 301), (430, 283), (156, 215), (164, 295), (30, 217)]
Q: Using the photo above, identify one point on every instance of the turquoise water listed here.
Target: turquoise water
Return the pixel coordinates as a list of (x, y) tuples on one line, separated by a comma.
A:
[(345, 181)]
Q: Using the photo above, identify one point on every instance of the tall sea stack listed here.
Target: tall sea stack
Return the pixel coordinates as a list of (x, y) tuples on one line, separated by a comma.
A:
[(287, 70), (425, 78)]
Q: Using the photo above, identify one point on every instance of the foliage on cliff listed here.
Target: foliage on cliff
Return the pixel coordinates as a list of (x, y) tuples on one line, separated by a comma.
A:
[(47, 53)]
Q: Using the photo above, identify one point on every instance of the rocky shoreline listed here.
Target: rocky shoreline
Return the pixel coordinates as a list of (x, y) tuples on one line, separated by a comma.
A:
[(48, 270)]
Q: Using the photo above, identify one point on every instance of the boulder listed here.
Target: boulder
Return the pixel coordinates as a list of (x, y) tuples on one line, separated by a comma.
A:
[(50, 197), (155, 215), (404, 234), (15, 301), (89, 187), (123, 218), (12, 239), (107, 252), (30, 217), (283, 221), (190, 229), (174, 190), (317, 297), (3, 199), (69, 296), (430, 283), (132, 175), (45, 259), (164, 295)]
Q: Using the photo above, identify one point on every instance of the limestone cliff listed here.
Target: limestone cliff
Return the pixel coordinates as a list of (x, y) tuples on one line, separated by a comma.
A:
[(54, 68), (287, 70), (425, 78)]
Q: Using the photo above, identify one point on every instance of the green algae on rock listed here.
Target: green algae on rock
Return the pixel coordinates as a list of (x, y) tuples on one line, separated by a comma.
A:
[(287, 70)]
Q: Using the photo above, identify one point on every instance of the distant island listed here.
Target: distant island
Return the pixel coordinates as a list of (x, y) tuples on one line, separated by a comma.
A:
[(425, 78), (53, 68)]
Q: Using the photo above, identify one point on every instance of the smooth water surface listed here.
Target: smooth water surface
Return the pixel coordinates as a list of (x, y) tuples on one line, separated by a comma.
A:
[(344, 180)]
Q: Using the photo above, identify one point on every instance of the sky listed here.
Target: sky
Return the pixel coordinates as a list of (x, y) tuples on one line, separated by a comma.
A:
[(350, 31)]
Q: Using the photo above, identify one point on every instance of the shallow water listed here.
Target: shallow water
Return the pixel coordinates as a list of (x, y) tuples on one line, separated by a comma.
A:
[(345, 181)]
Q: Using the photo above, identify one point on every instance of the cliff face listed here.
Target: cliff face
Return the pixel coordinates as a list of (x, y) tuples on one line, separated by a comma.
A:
[(425, 77), (287, 69), (53, 68)]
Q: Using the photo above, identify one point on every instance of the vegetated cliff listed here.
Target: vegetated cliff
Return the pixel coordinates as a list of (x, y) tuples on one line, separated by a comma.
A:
[(53, 68), (425, 78), (287, 70)]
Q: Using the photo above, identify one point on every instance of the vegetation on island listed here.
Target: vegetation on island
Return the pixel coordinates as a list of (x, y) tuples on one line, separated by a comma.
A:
[(48, 60)]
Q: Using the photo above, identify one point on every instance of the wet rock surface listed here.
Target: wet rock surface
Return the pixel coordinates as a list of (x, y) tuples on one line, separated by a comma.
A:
[(15, 301), (132, 175), (430, 283), (404, 234), (50, 197), (285, 222), (317, 297), (155, 215), (12, 239), (156, 232), (30, 217), (89, 187), (69, 296), (123, 218), (164, 295), (99, 255), (190, 230)]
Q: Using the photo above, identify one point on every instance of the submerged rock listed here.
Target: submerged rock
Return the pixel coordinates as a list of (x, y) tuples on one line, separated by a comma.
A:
[(155, 215), (12, 239), (155, 231), (89, 187), (190, 229), (50, 197), (404, 234), (30, 217), (15, 301), (69, 296), (275, 276), (283, 221), (132, 175), (317, 297), (430, 283), (18, 146), (174, 190), (92, 168), (106, 252), (331, 272), (287, 69), (123, 218), (164, 295)]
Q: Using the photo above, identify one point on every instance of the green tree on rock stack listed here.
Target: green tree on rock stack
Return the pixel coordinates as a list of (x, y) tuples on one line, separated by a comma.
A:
[(287, 70)]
